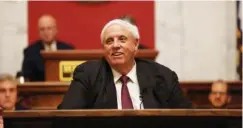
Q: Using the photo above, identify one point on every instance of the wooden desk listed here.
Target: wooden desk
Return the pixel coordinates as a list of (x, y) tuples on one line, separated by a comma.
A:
[(165, 118), (52, 59), (47, 95)]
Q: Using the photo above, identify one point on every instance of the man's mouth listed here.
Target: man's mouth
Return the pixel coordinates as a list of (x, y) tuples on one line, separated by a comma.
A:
[(116, 54)]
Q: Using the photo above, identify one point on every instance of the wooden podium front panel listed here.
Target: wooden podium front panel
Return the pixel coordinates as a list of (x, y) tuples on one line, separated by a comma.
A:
[(110, 118), (52, 69)]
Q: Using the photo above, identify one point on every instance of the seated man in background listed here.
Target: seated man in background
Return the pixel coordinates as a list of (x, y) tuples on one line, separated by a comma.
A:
[(119, 81), (132, 20), (219, 96), (8, 93), (33, 64)]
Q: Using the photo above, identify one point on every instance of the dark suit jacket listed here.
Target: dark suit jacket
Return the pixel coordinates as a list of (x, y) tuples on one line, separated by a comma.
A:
[(33, 64), (93, 87), (20, 107)]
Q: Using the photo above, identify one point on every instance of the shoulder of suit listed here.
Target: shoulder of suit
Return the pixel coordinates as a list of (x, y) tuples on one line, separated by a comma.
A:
[(34, 46), (90, 65), (65, 44), (153, 66), (20, 107)]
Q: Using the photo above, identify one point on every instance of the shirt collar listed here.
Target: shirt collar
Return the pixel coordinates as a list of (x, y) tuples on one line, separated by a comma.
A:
[(132, 74), (52, 46)]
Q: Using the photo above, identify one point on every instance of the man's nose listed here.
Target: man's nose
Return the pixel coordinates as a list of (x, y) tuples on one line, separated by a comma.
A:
[(217, 95), (7, 93), (116, 44)]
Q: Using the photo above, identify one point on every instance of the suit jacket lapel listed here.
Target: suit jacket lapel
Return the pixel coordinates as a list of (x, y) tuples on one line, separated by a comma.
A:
[(59, 45), (41, 45), (110, 89), (147, 84)]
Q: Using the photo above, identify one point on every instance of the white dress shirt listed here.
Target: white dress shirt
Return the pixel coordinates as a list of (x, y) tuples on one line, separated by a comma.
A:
[(133, 88), (51, 47)]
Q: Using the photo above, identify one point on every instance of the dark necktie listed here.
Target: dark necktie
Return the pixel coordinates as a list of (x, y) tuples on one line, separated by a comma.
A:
[(125, 97)]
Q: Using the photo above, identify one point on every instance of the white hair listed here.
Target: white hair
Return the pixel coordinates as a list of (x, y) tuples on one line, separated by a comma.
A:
[(131, 28)]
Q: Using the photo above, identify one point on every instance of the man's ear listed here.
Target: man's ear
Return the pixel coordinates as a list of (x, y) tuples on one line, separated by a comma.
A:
[(209, 97), (137, 44), (102, 44), (56, 30)]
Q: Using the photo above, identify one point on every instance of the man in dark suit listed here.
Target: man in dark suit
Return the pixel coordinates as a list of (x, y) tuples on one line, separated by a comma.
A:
[(119, 81), (33, 64)]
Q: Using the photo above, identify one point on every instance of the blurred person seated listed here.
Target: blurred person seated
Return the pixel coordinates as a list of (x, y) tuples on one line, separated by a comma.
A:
[(8, 93), (33, 64), (132, 20), (219, 96)]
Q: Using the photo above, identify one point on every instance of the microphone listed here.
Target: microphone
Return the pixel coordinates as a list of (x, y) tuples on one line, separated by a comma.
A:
[(141, 97)]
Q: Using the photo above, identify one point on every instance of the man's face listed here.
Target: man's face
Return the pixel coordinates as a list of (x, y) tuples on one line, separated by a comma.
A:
[(119, 45), (8, 95), (219, 97), (47, 29)]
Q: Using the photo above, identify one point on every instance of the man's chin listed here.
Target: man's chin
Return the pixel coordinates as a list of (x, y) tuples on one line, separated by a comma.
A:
[(219, 106), (48, 41), (8, 107), (116, 63)]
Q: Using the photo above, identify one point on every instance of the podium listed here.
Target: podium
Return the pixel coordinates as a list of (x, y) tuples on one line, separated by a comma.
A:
[(60, 64), (111, 118)]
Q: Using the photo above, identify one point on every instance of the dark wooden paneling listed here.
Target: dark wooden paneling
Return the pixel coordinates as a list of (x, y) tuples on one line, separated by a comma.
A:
[(47, 95)]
